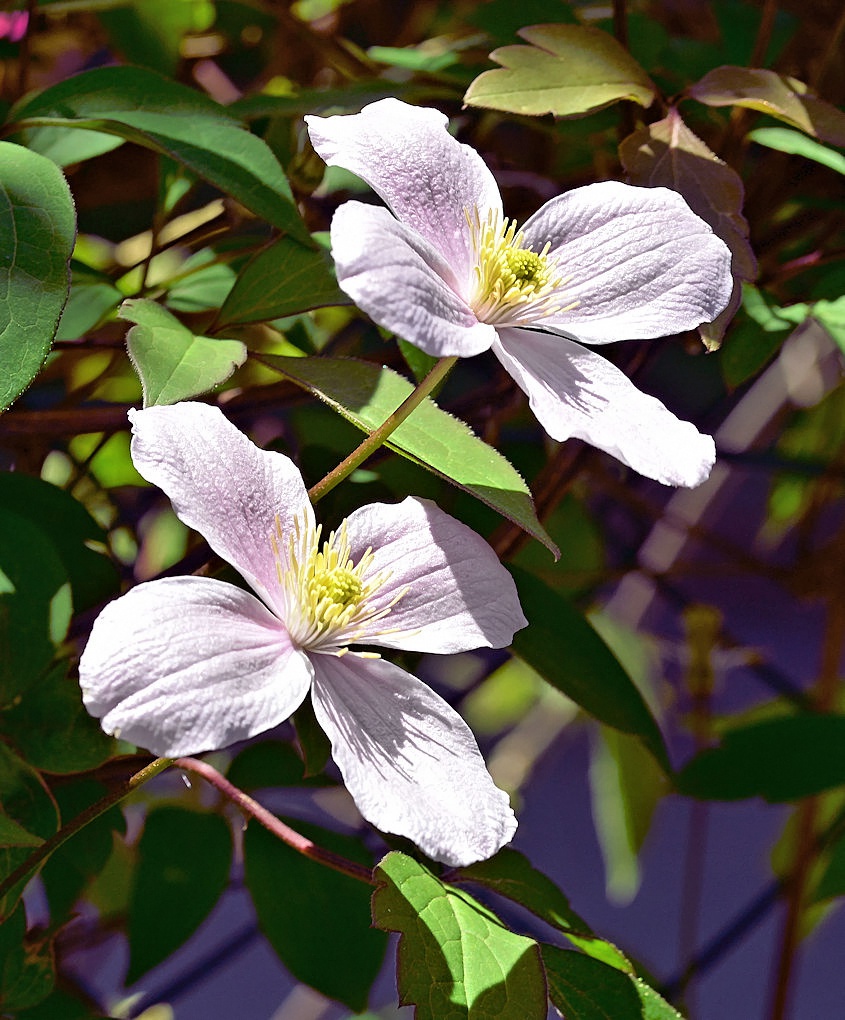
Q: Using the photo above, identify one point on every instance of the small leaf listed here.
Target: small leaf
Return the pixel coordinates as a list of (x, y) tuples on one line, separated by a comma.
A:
[(12, 834), (567, 70), (781, 759), (37, 232), (455, 958), (567, 652), (796, 144), (183, 868), (143, 107), (174, 364), (366, 394), (284, 279), (785, 98), (316, 919)]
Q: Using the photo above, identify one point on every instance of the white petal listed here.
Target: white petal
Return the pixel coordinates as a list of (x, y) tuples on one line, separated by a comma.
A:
[(425, 176), (188, 664), (457, 595), (409, 760), (221, 484), (640, 264), (402, 282), (576, 392)]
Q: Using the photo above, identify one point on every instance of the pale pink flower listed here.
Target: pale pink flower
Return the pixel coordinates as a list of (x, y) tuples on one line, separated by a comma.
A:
[(445, 270), (186, 664)]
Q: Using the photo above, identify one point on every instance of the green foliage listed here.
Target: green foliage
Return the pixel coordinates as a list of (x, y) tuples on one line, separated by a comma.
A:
[(26, 965), (797, 144), (37, 230)]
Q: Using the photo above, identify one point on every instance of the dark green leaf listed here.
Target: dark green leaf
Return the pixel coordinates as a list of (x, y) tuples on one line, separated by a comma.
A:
[(366, 394), (184, 859), (567, 70), (780, 760), (150, 32), (456, 960), (174, 364), (832, 881), (270, 763), (27, 971), (37, 233), (143, 107), (565, 649), (284, 279), (12, 834), (316, 919), (92, 297)]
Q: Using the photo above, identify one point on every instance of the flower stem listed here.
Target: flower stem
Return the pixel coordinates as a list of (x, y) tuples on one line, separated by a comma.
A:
[(379, 436), (253, 809), (42, 852)]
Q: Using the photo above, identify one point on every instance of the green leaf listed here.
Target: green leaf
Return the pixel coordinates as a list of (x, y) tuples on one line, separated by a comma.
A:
[(37, 232), (27, 970), (12, 834), (316, 919), (567, 652), (757, 335), (93, 296), (582, 988), (270, 763), (796, 144), (832, 880), (183, 868), (143, 107), (26, 801), (831, 315), (511, 875), (284, 279), (366, 394), (150, 32), (785, 98), (456, 960), (174, 364), (781, 759), (567, 70)]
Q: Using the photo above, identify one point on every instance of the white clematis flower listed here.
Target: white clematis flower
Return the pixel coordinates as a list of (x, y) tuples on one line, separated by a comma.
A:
[(186, 664), (444, 269)]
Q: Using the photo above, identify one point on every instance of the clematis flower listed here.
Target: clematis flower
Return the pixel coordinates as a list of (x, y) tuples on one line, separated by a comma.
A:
[(444, 269), (185, 664)]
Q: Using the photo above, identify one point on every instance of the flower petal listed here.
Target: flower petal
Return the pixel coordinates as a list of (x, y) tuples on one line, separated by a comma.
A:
[(188, 664), (425, 176), (221, 484), (409, 760), (638, 262), (457, 595), (576, 392), (402, 283)]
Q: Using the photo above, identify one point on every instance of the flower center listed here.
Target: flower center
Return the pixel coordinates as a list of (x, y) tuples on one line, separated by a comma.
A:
[(328, 599), (512, 285)]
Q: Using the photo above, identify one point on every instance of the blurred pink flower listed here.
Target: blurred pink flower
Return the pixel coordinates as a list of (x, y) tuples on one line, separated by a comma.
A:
[(13, 25)]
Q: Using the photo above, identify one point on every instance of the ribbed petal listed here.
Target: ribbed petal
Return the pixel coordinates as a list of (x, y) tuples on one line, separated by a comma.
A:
[(221, 484), (425, 176), (409, 760), (576, 392), (457, 595), (640, 264), (189, 664), (403, 283)]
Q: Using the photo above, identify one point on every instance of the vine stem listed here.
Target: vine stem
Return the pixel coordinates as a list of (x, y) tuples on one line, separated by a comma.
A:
[(43, 851), (378, 437), (252, 809)]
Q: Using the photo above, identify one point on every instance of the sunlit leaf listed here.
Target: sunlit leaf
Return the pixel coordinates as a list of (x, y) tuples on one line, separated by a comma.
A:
[(782, 97), (37, 231), (366, 394), (173, 363), (567, 70), (455, 958), (141, 106), (796, 144)]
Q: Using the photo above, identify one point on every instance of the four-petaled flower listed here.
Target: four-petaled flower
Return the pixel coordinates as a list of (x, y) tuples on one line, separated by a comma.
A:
[(186, 664), (601, 263)]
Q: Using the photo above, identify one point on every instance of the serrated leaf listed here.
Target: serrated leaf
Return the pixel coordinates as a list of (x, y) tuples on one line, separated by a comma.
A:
[(144, 107), (366, 394), (174, 364), (184, 859), (284, 279), (37, 232), (316, 919), (781, 759), (563, 647), (779, 96), (456, 960), (796, 144), (27, 970), (582, 988), (567, 70)]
